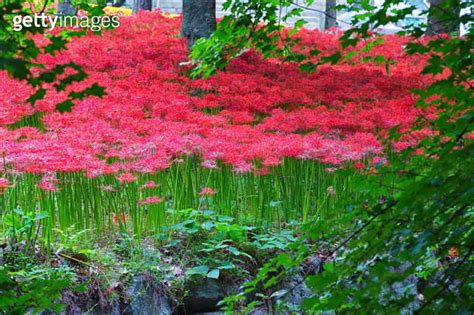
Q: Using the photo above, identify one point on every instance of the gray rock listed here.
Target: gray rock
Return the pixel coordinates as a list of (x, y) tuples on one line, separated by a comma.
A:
[(203, 296), (145, 298), (299, 290)]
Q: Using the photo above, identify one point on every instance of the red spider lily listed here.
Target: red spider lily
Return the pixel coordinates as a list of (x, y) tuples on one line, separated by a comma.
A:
[(4, 183), (150, 184), (122, 217), (126, 178), (48, 183), (257, 110), (152, 200), (206, 191), (211, 164), (378, 161)]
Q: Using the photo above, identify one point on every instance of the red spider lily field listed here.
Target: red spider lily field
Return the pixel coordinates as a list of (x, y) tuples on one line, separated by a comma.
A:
[(257, 142), (184, 177)]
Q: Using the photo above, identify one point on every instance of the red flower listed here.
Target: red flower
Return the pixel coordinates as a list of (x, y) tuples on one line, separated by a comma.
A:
[(152, 200), (48, 183), (151, 184), (126, 178), (4, 183), (123, 218), (256, 110), (358, 165), (206, 191)]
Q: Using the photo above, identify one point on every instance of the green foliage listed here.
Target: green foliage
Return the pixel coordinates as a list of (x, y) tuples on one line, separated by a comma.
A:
[(213, 240), (20, 225), (19, 50), (203, 270), (215, 243), (32, 290)]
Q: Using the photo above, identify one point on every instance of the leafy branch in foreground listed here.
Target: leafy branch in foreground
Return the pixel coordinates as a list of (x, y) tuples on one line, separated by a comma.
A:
[(20, 50), (250, 24)]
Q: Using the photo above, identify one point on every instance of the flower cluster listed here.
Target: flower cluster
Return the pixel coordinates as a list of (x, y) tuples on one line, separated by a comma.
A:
[(152, 200), (207, 191), (256, 111)]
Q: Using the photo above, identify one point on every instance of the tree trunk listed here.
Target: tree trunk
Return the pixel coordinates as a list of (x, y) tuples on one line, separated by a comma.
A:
[(141, 5), (331, 14), (118, 3), (443, 17), (199, 19), (65, 8)]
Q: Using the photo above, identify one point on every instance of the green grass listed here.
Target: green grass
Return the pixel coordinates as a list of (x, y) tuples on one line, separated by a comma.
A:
[(295, 191)]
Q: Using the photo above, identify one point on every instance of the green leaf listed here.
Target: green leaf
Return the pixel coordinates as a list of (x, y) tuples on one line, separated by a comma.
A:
[(350, 54), (233, 250), (279, 293), (226, 265), (332, 59), (213, 274), (314, 52), (65, 106), (198, 270), (380, 59), (38, 95)]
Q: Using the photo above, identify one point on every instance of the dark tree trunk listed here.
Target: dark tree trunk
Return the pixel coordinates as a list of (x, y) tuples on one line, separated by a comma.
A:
[(118, 3), (141, 5), (65, 8), (331, 14), (199, 19), (443, 17)]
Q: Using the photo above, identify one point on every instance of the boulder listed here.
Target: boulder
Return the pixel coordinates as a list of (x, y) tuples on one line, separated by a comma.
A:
[(146, 298), (203, 296)]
